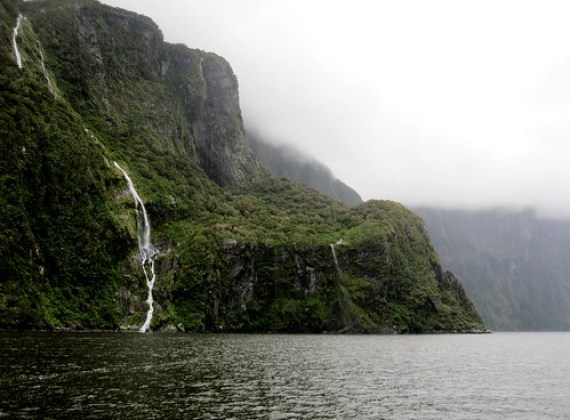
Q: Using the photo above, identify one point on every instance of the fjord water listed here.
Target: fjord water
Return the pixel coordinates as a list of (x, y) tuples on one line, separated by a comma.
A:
[(159, 375)]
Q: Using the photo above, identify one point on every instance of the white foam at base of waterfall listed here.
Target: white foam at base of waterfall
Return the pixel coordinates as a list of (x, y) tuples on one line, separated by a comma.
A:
[(149, 300)]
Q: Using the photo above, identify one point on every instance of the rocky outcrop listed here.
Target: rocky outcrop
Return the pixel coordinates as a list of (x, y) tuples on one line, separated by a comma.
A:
[(209, 91)]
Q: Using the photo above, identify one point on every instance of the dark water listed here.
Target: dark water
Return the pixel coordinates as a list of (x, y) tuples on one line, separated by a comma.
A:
[(106, 375)]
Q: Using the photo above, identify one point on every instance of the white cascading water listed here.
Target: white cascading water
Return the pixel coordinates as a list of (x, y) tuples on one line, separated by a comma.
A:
[(204, 84), (147, 252), (202, 72), (14, 41), (46, 74), (335, 259)]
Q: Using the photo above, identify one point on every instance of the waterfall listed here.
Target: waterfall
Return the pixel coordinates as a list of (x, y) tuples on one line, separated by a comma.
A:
[(202, 72), (50, 84), (204, 84), (15, 43), (147, 252), (45, 72), (335, 259)]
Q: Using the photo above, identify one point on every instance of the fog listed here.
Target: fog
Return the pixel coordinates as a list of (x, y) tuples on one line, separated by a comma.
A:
[(447, 103)]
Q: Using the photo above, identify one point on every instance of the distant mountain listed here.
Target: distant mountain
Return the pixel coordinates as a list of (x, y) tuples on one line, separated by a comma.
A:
[(514, 265), (288, 163)]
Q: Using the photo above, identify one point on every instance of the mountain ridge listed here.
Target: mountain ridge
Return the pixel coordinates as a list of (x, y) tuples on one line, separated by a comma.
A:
[(287, 162), (239, 249)]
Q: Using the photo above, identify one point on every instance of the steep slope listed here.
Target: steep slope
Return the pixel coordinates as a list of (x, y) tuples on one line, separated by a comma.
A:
[(59, 238), (515, 266), (288, 163), (238, 249)]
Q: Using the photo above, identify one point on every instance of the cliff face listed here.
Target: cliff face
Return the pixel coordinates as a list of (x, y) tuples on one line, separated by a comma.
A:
[(208, 90), (239, 249), (379, 277), (116, 65)]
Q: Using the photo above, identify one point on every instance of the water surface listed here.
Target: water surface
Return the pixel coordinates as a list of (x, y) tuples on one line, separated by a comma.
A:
[(154, 375)]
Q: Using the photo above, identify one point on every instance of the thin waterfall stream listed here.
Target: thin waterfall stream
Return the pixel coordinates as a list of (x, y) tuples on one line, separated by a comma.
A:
[(335, 259), (147, 252), (50, 85), (15, 42)]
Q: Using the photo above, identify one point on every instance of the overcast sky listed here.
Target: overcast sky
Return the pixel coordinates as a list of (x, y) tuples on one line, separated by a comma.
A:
[(449, 103)]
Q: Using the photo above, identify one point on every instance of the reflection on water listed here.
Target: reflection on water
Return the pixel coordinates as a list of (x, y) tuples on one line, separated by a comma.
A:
[(112, 375)]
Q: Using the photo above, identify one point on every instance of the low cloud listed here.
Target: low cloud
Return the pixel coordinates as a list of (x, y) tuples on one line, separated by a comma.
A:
[(455, 104)]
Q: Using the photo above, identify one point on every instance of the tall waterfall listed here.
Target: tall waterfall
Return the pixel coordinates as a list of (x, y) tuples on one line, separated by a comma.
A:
[(147, 252), (14, 41)]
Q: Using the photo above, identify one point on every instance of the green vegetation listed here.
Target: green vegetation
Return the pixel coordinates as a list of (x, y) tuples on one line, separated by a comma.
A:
[(54, 202), (288, 163), (241, 250)]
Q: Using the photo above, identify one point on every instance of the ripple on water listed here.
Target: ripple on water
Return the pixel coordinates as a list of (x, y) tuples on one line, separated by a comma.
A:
[(493, 376)]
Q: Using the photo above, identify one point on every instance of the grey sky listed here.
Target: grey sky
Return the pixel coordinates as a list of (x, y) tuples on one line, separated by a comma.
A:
[(450, 103)]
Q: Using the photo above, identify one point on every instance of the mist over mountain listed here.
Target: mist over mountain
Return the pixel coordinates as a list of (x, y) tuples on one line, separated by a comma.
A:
[(128, 190), (290, 163), (488, 105), (514, 265)]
